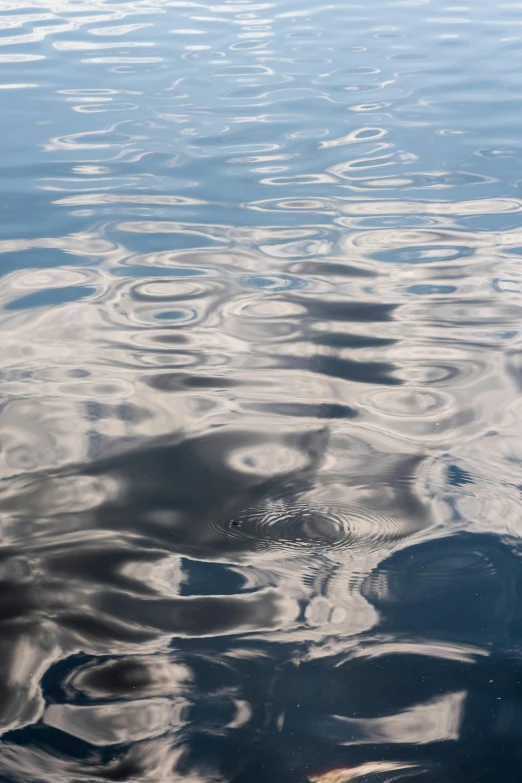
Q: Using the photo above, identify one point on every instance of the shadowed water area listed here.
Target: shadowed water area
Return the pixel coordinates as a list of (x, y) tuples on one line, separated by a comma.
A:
[(260, 391)]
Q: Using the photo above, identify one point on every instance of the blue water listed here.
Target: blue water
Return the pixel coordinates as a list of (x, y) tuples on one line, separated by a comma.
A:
[(260, 375)]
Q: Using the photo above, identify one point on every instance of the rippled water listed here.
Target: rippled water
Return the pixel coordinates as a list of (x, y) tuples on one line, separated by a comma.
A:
[(261, 364)]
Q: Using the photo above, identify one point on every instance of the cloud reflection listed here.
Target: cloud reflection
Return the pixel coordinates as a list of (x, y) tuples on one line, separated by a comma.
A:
[(259, 429)]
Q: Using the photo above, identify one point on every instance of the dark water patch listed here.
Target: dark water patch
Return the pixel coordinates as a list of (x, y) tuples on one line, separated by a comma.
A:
[(349, 370), (322, 411), (458, 477), (177, 381), (347, 311), (330, 269), (341, 340), (481, 575)]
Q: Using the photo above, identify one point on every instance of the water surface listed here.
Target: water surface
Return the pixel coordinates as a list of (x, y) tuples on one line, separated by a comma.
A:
[(260, 422)]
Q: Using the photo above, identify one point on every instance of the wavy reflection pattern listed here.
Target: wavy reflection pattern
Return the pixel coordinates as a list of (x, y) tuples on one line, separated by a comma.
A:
[(260, 423)]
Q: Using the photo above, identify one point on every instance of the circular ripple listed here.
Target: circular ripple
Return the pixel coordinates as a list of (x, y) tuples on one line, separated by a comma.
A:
[(272, 282), (407, 402), (440, 373), (297, 524)]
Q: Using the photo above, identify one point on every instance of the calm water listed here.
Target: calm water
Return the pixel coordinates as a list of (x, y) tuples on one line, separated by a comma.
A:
[(261, 372)]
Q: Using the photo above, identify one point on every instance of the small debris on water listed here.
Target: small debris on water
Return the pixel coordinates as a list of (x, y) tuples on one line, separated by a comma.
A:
[(349, 774)]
